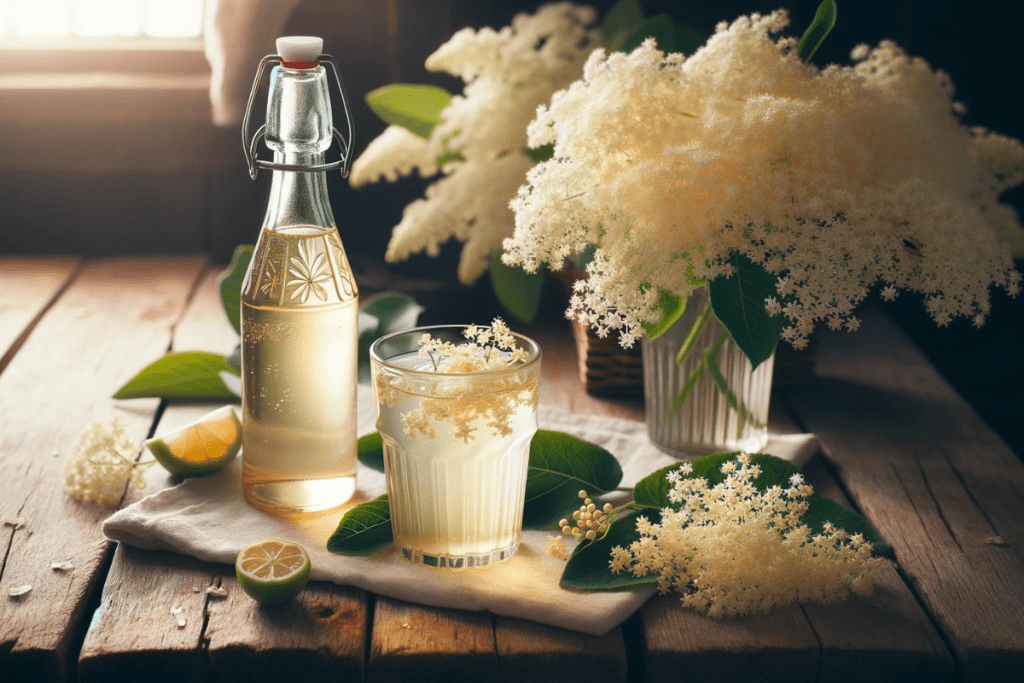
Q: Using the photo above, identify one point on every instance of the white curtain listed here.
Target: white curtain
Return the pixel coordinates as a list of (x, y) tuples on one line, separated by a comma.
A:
[(239, 33)]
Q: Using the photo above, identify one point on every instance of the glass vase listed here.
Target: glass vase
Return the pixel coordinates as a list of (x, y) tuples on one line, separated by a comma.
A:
[(726, 406)]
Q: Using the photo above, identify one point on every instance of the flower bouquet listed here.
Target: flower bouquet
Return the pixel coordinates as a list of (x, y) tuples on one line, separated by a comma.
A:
[(476, 141), (777, 193)]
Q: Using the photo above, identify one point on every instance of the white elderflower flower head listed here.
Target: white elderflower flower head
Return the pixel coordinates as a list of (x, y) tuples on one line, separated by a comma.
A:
[(395, 152), (838, 179), (102, 463), (508, 74), (731, 549)]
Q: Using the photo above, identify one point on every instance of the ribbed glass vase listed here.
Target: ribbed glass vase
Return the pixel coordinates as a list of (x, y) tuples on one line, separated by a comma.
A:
[(708, 419)]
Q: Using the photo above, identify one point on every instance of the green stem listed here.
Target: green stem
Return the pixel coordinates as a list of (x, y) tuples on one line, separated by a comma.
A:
[(697, 373), (691, 339)]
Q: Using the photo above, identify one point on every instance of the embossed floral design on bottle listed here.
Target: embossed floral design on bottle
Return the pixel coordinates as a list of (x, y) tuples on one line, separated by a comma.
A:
[(309, 271)]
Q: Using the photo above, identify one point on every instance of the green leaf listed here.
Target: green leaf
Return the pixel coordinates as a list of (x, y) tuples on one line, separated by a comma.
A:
[(739, 303), (671, 307), (660, 27), (542, 153), (518, 292), (821, 510), (414, 107), (384, 313), (371, 451), (363, 530), (193, 375), (814, 36), (561, 465), (652, 490), (230, 282), (588, 565), (621, 20)]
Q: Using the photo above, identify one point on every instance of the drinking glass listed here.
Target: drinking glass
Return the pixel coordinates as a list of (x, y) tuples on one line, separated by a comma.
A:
[(456, 448)]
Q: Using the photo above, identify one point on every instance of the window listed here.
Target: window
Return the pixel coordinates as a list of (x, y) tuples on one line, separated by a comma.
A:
[(101, 18)]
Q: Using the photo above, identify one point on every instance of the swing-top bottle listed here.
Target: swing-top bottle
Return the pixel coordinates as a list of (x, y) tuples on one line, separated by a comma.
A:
[(299, 304)]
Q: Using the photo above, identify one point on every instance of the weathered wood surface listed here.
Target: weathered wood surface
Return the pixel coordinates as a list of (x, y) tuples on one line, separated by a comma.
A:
[(30, 285), (884, 637), (479, 646), (233, 638), (939, 485), (914, 458), (115, 317)]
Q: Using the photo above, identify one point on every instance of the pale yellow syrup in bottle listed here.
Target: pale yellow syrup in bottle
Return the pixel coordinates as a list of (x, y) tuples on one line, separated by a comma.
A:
[(299, 313), (299, 322)]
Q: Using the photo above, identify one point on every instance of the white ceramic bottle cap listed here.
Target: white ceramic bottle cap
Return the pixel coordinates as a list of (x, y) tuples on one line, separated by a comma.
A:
[(299, 48)]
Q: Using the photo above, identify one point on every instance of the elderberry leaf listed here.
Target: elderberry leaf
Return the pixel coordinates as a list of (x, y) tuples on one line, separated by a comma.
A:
[(370, 449), (561, 465), (364, 529), (588, 568), (739, 304)]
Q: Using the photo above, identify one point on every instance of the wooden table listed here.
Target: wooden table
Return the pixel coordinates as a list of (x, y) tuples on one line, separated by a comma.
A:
[(896, 439)]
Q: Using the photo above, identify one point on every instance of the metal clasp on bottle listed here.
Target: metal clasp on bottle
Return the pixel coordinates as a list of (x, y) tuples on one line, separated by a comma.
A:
[(249, 146)]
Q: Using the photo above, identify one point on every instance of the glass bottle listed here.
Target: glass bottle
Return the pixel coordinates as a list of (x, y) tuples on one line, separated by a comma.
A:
[(299, 309)]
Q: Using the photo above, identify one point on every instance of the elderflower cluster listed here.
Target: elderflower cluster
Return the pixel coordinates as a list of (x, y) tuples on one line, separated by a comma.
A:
[(101, 464), (508, 73), (837, 180), (473, 385), (731, 549)]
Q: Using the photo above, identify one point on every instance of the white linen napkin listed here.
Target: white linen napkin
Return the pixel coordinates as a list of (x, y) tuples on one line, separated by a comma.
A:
[(208, 518)]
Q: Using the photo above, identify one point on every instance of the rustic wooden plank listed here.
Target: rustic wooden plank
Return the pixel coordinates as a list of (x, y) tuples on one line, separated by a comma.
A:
[(151, 618), (116, 316), (413, 642), (508, 647), (529, 651), (28, 285), (936, 482), (885, 636), (322, 633)]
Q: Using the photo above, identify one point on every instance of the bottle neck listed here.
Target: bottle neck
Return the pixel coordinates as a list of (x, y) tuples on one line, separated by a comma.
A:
[(299, 131), (299, 200)]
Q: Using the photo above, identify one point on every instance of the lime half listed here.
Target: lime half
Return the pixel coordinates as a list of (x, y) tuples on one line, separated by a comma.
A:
[(204, 446), (273, 571)]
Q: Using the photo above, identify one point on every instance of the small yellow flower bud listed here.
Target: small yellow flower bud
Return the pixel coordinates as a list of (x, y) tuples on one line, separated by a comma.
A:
[(563, 522), (591, 507), (582, 494), (591, 535), (566, 529), (608, 507), (575, 531), (588, 502)]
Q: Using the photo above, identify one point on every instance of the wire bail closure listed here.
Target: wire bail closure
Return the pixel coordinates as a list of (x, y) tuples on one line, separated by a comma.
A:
[(249, 145)]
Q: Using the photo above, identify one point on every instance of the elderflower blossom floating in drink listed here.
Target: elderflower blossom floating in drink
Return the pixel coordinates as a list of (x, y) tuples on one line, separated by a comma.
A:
[(456, 409)]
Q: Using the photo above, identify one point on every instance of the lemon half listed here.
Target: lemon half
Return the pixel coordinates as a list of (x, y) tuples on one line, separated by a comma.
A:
[(204, 446)]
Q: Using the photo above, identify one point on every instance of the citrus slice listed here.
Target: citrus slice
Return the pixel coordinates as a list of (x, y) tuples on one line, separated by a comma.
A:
[(204, 446), (273, 571)]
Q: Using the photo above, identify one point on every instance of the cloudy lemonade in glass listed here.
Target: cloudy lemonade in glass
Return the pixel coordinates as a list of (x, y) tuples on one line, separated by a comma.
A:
[(456, 409)]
